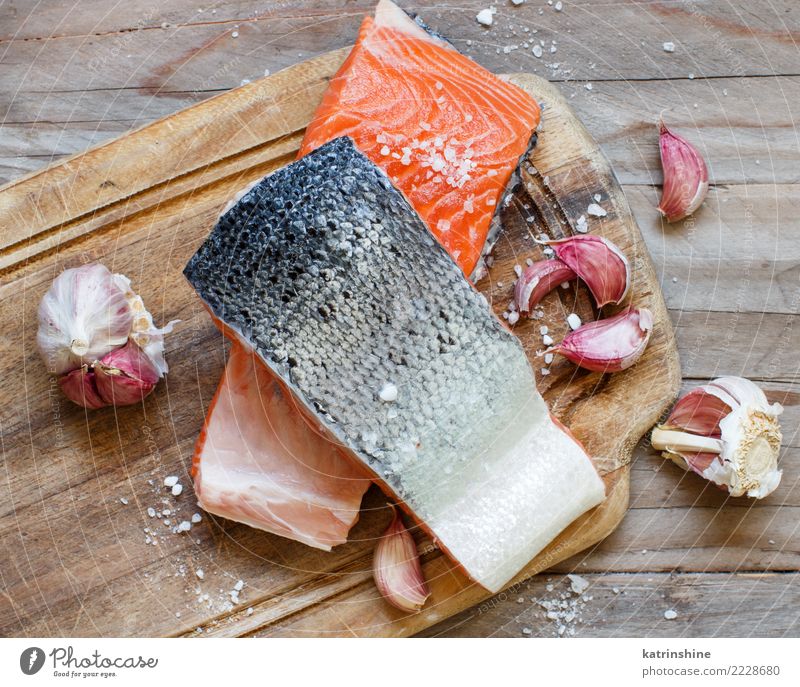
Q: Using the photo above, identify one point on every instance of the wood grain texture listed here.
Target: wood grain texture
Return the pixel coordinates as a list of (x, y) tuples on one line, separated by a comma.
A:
[(152, 196)]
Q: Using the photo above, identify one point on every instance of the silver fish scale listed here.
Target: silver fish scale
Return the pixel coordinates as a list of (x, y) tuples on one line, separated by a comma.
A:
[(328, 273)]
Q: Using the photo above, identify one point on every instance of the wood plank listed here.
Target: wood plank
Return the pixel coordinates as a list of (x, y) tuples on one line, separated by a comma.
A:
[(753, 122), (620, 605), (713, 39)]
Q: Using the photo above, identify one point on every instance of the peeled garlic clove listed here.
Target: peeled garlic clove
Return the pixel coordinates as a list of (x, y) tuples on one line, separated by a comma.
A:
[(599, 263), (685, 176), (80, 386), (125, 376), (538, 280), (728, 433), (83, 316), (397, 570), (611, 344)]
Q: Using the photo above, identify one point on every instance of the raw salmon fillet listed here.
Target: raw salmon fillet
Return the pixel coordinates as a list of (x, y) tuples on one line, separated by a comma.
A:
[(258, 461), (465, 131), (329, 275), (448, 132)]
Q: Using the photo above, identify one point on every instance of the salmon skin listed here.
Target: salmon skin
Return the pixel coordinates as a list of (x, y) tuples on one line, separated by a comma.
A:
[(448, 132), (258, 461), (325, 270)]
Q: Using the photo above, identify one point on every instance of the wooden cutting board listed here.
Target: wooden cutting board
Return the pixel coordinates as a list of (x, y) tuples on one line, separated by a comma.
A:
[(75, 560)]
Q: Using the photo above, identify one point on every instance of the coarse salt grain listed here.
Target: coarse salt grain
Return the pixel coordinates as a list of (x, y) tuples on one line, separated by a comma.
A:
[(196, 518), (485, 17), (595, 210), (513, 317), (578, 584), (200, 574), (547, 340), (543, 330), (388, 393), (177, 489), (151, 512), (537, 50), (670, 615), (239, 586), (235, 34), (170, 481), (123, 501), (559, 6), (669, 46), (573, 321), (581, 225), (548, 358)]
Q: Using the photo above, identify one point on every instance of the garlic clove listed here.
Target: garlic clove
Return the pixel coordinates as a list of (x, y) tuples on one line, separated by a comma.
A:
[(143, 330), (611, 344), (125, 376), (538, 280), (685, 176), (599, 263), (397, 570), (83, 316), (80, 386), (744, 441)]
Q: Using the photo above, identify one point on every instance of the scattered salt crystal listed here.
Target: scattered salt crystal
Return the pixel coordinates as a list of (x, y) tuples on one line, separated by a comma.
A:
[(669, 46), (615, 590), (670, 614), (578, 584), (123, 501), (385, 150), (771, 541), (547, 340), (521, 600), (549, 587), (691, 76), (244, 82), (527, 631), (724, 91), (177, 489), (151, 512), (196, 518), (573, 321), (517, 2), (528, 261), (674, 280), (250, 611), (166, 511), (485, 17), (597, 197), (184, 526), (548, 358), (513, 317), (266, 72), (200, 574), (518, 270), (388, 393), (537, 50), (170, 481), (588, 86), (443, 225), (235, 34), (239, 585), (545, 371), (595, 210), (543, 330), (559, 6), (581, 225)]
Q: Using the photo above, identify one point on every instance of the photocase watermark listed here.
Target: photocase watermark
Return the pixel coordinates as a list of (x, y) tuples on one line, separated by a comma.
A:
[(66, 663)]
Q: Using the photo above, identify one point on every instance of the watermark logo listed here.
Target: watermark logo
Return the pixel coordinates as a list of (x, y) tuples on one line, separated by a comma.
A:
[(31, 660)]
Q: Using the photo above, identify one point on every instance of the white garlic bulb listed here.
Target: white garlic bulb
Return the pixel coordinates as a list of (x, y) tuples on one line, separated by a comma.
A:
[(83, 316)]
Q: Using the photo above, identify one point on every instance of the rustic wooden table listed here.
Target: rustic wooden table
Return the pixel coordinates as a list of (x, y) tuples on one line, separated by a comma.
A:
[(73, 74)]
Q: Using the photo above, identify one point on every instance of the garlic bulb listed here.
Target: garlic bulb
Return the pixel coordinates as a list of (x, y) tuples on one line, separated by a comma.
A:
[(397, 570), (83, 316), (727, 432)]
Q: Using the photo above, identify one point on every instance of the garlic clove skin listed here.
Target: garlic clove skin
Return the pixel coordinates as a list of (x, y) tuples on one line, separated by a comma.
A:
[(397, 570), (125, 376), (80, 387), (612, 344), (747, 436), (599, 263), (83, 316), (685, 176), (538, 280), (143, 330)]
